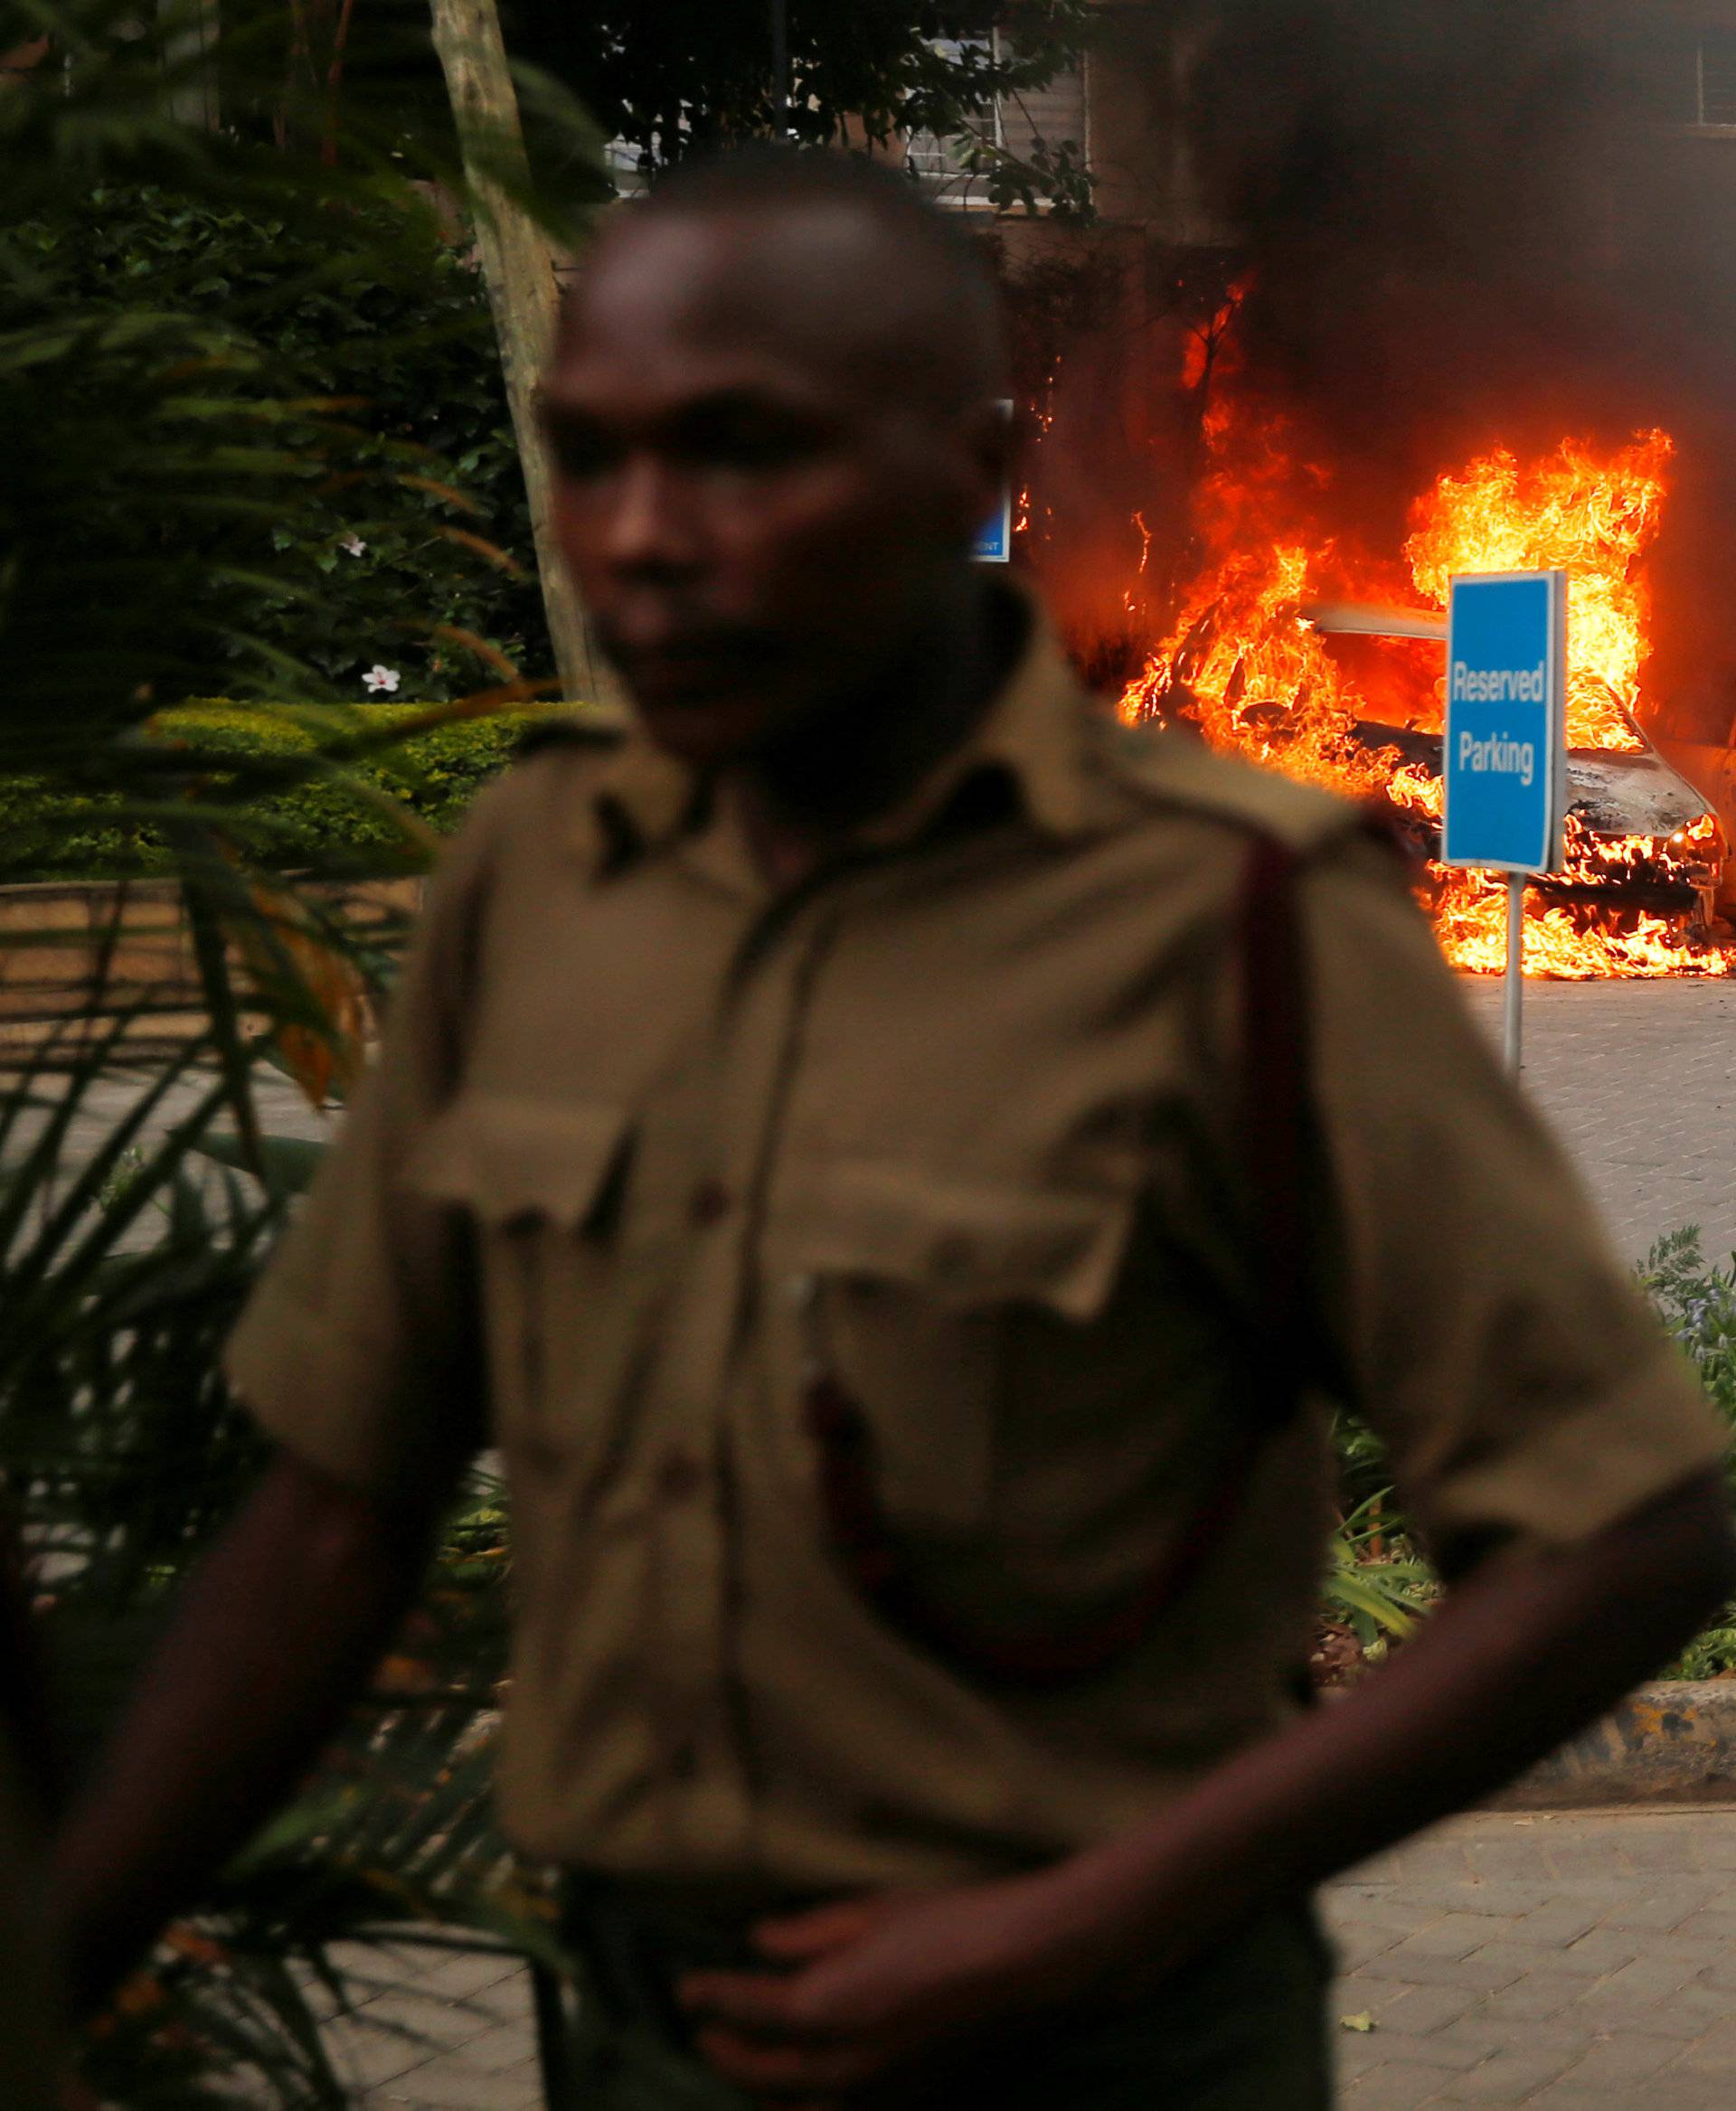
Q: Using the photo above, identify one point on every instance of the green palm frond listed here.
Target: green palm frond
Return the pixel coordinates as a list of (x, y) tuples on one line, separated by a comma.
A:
[(164, 437), (126, 1456), (1380, 1597)]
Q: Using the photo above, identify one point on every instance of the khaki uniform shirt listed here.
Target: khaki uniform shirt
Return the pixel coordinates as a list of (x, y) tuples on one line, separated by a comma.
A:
[(958, 1119)]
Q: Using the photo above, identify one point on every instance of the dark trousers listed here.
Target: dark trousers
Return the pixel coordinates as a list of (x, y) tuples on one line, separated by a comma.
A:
[(1242, 2027)]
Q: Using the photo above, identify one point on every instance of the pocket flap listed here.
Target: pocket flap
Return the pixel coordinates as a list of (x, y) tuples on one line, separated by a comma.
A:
[(507, 1158), (965, 1243)]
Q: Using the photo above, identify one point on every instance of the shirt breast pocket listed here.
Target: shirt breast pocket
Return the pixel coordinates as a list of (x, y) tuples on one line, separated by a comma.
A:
[(915, 1294), (542, 1184)]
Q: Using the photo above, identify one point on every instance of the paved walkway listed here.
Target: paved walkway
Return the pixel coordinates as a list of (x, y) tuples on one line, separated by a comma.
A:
[(1639, 1080), (1583, 1962), (1572, 1962)]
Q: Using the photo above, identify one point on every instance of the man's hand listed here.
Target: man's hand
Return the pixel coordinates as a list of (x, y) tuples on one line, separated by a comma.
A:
[(1523, 1652), (871, 1986)]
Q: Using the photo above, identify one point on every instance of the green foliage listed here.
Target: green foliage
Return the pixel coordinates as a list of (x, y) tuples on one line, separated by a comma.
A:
[(123, 1268), (216, 357), (360, 818), (1712, 1654), (1376, 1584), (673, 76), (1696, 1301), (1364, 1474), (1379, 1595), (160, 424), (402, 520)]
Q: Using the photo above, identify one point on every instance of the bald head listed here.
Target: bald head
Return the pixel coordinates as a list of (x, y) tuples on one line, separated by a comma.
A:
[(773, 418), (850, 262)]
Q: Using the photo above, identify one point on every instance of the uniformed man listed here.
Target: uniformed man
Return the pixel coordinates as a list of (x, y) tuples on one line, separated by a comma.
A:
[(902, 1169)]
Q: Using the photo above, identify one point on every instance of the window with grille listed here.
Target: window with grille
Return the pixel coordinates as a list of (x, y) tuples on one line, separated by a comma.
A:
[(1051, 114), (936, 159)]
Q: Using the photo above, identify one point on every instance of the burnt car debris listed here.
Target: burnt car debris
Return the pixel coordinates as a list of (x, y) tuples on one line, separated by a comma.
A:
[(1644, 834)]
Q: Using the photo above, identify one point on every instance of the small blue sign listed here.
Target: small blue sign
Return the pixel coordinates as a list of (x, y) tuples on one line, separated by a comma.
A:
[(994, 537), (1505, 748)]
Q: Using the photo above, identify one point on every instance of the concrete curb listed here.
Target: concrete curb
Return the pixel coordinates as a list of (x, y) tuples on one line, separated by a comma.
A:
[(1666, 1743)]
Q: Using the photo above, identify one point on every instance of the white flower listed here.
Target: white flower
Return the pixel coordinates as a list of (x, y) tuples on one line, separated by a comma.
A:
[(378, 679), (353, 543)]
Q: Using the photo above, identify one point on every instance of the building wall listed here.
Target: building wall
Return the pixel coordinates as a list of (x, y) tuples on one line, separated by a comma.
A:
[(1136, 87)]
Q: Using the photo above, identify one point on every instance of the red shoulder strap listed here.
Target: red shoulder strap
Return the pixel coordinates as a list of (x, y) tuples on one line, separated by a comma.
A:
[(1274, 1119)]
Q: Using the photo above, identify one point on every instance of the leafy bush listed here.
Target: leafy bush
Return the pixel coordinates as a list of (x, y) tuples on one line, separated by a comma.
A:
[(384, 325), (346, 821), (1696, 1302), (218, 361), (1376, 1591), (121, 1274)]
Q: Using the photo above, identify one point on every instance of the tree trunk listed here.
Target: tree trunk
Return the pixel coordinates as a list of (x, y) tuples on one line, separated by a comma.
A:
[(190, 57), (518, 263)]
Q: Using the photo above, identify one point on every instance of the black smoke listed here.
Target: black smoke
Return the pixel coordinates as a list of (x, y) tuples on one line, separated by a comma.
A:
[(1487, 220)]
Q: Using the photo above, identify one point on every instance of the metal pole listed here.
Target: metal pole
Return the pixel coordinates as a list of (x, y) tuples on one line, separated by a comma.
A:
[(1515, 969), (780, 66)]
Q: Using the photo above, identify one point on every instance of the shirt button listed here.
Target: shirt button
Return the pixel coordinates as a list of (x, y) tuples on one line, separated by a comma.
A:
[(679, 1476), (709, 1203)]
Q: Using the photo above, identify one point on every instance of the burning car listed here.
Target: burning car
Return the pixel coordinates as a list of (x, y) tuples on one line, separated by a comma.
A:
[(1297, 649), (1643, 838)]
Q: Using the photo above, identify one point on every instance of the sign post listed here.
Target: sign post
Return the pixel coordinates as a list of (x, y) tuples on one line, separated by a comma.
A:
[(1505, 754), (1516, 989)]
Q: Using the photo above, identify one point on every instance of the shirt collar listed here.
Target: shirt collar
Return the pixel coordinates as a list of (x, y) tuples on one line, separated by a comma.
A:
[(1035, 734)]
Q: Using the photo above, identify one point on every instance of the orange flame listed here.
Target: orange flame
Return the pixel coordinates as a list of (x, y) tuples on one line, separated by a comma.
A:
[(1594, 520), (1244, 664)]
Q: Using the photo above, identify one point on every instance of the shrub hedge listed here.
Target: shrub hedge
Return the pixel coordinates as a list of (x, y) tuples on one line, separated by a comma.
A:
[(394, 504), (50, 835)]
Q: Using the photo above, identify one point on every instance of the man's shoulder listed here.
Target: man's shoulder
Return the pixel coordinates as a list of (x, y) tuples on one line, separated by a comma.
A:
[(550, 763), (533, 811), (589, 729), (1170, 774)]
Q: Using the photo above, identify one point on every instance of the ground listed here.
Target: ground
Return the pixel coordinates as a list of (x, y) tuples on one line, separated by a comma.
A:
[(1583, 1963), (1639, 1080), (1560, 1962)]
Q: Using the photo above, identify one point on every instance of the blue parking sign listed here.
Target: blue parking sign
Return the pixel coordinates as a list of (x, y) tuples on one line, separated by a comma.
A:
[(994, 537), (1505, 748)]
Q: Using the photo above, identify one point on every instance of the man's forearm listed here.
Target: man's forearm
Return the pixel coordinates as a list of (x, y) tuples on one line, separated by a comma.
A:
[(278, 1630), (1517, 1659)]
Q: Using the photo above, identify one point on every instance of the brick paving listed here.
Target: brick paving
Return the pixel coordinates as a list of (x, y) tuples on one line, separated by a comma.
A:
[(1639, 1080), (435, 2028), (1582, 1962)]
